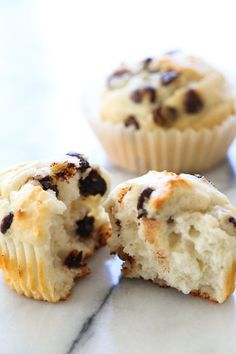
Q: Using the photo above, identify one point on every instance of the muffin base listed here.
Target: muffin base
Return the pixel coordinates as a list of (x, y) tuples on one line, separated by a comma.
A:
[(187, 151), (25, 268)]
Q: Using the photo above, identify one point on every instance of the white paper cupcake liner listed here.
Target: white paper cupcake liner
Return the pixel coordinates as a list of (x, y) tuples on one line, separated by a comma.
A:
[(25, 269), (173, 150)]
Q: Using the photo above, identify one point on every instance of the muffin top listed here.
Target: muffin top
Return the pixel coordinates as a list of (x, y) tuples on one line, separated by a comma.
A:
[(173, 90)]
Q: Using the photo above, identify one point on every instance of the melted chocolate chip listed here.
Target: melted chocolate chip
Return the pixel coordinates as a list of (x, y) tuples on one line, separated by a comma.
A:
[(151, 92), (131, 121), (144, 196), (83, 163), (73, 260), (158, 116), (93, 184), (125, 257), (85, 226), (164, 115), (193, 102), (170, 220), (118, 223), (138, 95), (47, 183), (168, 77), (232, 220), (6, 223)]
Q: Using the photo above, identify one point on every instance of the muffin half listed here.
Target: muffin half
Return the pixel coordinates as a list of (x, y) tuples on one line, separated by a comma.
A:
[(52, 219), (175, 230)]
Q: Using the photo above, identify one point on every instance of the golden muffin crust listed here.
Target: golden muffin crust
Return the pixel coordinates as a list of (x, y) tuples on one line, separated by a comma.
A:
[(173, 90)]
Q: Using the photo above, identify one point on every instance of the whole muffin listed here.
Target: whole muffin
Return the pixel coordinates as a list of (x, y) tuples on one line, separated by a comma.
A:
[(166, 113), (51, 220), (175, 230)]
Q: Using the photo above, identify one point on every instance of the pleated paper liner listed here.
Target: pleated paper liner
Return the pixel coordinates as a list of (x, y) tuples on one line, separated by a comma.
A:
[(25, 269), (173, 150)]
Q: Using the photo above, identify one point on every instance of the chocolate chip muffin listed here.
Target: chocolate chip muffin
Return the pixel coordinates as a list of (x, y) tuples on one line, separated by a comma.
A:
[(169, 91), (166, 113), (51, 221), (177, 231)]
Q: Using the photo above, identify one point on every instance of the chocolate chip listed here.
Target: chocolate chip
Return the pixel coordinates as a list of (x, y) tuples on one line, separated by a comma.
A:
[(6, 222), (158, 116), (198, 176), (83, 163), (151, 92), (73, 260), (93, 184), (124, 256), (47, 183), (131, 121), (164, 115), (193, 102), (146, 62), (142, 198), (118, 223), (85, 226), (148, 91), (168, 77), (232, 220), (170, 220), (136, 96)]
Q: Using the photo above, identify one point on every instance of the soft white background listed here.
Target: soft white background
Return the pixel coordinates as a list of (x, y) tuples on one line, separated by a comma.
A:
[(50, 50)]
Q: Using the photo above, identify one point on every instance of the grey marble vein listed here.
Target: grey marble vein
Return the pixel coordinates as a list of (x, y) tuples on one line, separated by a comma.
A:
[(89, 321)]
